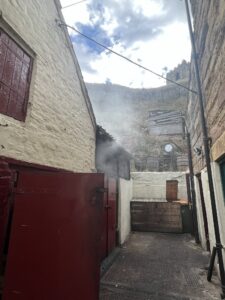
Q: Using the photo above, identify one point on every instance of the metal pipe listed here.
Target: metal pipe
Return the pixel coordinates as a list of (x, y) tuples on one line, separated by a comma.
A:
[(207, 152), (193, 194), (192, 183)]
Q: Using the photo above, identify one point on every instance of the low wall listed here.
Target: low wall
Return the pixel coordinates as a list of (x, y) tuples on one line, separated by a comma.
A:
[(151, 186), (156, 217), (125, 197)]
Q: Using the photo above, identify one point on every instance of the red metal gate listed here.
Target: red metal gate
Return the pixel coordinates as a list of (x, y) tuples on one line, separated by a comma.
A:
[(109, 217), (54, 241), (5, 190), (112, 189)]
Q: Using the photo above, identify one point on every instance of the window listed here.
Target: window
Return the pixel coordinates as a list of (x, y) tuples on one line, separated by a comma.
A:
[(222, 171), (15, 73)]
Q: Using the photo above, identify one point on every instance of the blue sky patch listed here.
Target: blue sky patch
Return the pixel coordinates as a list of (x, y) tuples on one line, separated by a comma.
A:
[(95, 32)]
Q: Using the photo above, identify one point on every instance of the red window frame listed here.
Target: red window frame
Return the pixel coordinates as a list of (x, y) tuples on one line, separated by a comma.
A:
[(15, 76)]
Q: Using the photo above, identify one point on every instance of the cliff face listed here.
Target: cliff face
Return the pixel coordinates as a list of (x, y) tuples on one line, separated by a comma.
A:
[(144, 121)]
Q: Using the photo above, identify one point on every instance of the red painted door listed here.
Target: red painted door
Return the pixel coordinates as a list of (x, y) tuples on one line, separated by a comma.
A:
[(108, 239), (54, 248), (112, 192), (5, 190), (104, 237)]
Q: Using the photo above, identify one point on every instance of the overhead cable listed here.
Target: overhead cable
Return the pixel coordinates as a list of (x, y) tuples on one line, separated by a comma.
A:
[(126, 58), (72, 4)]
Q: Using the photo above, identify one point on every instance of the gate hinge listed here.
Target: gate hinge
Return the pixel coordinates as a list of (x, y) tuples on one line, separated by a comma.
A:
[(15, 178), (101, 190)]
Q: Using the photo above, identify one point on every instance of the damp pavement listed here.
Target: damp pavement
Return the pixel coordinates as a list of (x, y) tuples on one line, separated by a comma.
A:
[(158, 266)]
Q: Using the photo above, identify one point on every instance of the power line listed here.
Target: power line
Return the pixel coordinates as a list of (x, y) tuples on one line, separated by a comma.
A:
[(126, 58), (73, 4)]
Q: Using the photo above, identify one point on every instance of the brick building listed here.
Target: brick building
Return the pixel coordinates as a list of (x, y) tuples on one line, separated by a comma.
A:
[(50, 207), (209, 23), (45, 113)]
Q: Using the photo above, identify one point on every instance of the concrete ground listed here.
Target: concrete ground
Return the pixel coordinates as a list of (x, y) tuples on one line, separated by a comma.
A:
[(156, 266)]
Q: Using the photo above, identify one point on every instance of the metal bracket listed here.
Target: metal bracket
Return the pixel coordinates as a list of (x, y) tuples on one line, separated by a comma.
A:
[(101, 190)]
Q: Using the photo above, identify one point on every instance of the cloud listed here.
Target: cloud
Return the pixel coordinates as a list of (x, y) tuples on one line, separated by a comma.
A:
[(151, 32), (132, 22)]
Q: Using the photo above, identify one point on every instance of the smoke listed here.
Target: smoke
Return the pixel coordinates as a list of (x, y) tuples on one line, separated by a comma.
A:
[(117, 111)]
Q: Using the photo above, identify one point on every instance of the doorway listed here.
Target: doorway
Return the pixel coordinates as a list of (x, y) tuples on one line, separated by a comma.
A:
[(171, 190)]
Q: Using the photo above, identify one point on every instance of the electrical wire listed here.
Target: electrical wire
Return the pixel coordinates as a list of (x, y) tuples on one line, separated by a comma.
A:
[(72, 4), (126, 58)]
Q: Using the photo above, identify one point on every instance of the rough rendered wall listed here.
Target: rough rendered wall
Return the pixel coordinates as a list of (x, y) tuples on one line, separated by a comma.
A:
[(125, 197), (58, 130), (152, 185)]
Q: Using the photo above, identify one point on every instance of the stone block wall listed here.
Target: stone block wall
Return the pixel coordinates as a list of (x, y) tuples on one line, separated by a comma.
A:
[(209, 27), (59, 130)]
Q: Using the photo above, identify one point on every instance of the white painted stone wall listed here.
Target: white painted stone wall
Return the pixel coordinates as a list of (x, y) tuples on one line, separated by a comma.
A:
[(60, 128), (219, 203), (206, 193), (151, 186), (201, 229), (125, 197)]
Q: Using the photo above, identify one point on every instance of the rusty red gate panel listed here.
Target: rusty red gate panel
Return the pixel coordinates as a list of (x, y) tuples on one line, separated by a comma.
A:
[(112, 193), (54, 250), (6, 178), (108, 240), (104, 237)]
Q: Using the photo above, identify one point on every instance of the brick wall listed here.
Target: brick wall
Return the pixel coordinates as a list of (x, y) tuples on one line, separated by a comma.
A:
[(59, 130), (209, 26)]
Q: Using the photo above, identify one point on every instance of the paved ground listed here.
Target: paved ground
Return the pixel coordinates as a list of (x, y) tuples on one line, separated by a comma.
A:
[(155, 266)]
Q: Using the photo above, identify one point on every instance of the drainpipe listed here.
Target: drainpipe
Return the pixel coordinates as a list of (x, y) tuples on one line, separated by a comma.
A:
[(218, 248), (192, 183), (193, 194)]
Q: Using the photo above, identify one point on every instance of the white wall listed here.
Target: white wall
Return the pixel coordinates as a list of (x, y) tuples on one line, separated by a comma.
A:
[(205, 185), (60, 129), (152, 185), (201, 228), (125, 197), (219, 203)]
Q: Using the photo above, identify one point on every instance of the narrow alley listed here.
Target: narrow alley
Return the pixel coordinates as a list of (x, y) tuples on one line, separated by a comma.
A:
[(112, 150), (159, 266)]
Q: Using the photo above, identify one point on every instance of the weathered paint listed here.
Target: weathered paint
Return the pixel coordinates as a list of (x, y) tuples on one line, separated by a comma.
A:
[(125, 197), (219, 203), (54, 249)]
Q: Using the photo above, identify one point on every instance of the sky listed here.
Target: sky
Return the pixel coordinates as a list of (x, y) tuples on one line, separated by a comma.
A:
[(153, 33)]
